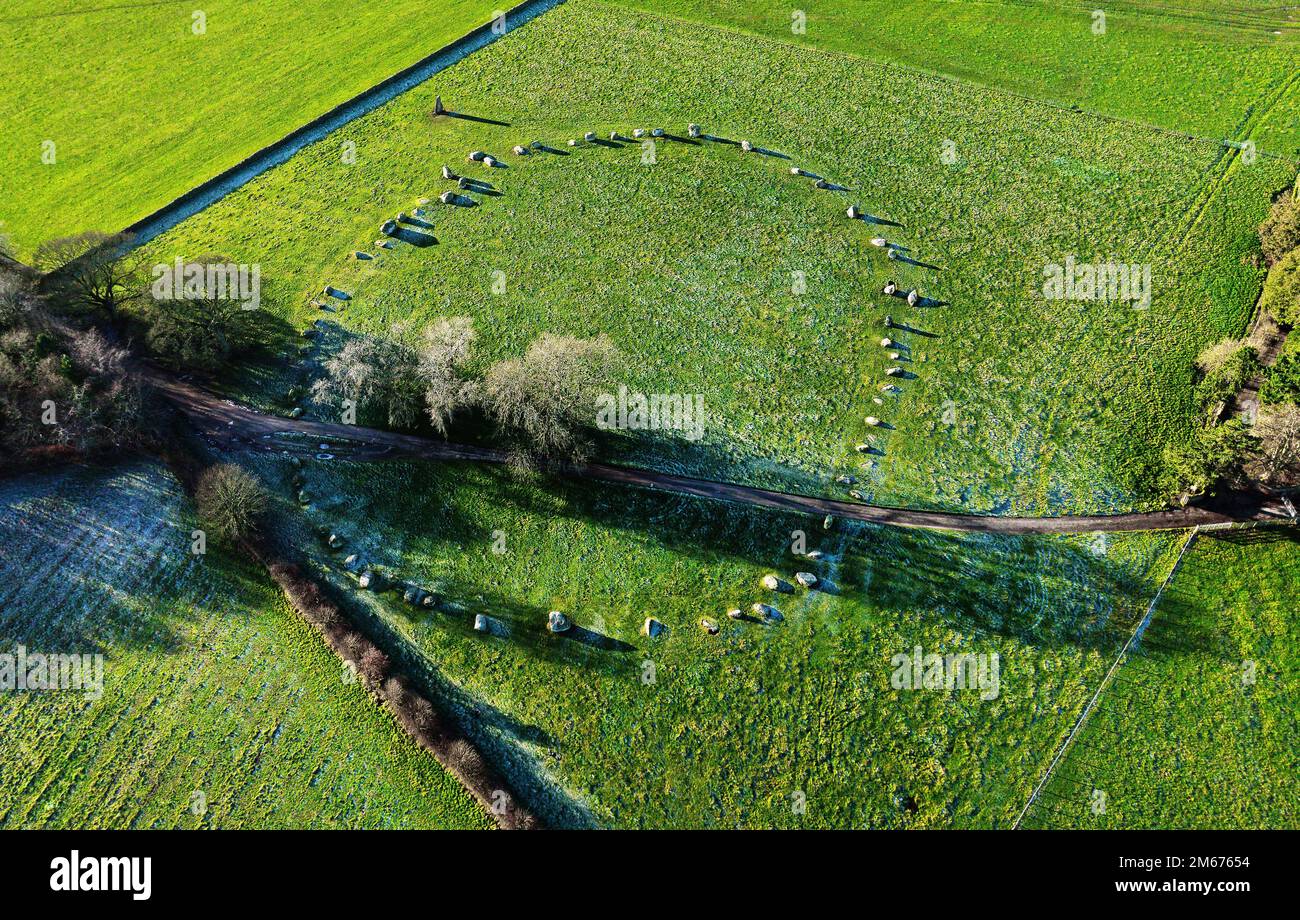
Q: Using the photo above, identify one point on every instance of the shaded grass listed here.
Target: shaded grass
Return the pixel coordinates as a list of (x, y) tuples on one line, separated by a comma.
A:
[(220, 707)]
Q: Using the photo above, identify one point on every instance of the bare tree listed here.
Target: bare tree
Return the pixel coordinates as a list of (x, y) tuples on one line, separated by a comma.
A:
[(92, 271), (1278, 430), (445, 351), (372, 372), (548, 398)]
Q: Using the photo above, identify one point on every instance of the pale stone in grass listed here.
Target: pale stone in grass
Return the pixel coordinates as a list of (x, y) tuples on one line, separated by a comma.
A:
[(520, 150), (480, 623), (853, 212), (807, 579), (767, 612), (652, 628), (872, 421), (734, 613), (710, 626), (477, 156), (557, 622)]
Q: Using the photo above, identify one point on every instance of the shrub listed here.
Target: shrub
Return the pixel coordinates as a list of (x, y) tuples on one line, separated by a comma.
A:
[(230, 500), (1212, 453), (374, 666), (1213, 358), (1282, 289), (1279, 234), (1278, 430), (1282, 385)]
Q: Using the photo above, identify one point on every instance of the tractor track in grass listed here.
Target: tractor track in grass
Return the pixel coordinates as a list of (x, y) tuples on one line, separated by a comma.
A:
[(236, 426)]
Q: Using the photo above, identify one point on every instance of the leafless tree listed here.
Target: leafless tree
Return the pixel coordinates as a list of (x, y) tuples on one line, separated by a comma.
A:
[(92, 271)]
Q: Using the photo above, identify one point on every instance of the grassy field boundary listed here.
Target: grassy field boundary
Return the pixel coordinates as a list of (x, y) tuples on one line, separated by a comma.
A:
[(278, 152), (1105, 681)]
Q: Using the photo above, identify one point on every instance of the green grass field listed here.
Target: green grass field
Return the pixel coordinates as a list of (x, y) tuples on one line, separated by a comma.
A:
[(1225, 70), (1013, 402), (141, 109), (692, 730), (1200, 730), (220, 707)]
